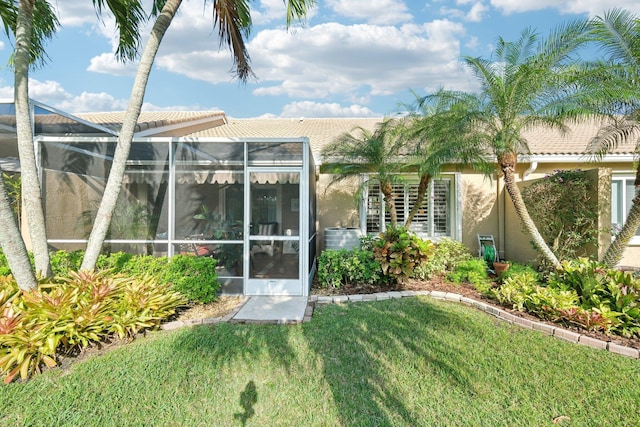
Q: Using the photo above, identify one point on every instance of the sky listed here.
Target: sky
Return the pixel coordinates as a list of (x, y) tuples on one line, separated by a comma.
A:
[(350, 58)]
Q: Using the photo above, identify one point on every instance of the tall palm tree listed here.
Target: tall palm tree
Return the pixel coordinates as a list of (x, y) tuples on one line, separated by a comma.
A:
[(528, 83), (34, 23), (618, 33), (31, 33), (374, 154), (232, 18), (440, 132)]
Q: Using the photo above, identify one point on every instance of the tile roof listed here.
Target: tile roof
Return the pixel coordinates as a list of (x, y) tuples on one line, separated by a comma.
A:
[(545, 141), (321, 131), (151, 119)]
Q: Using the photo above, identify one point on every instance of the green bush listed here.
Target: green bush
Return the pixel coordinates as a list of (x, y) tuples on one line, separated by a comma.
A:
[(195, 277), (64, 318), (552, 203), (447, 254), (523, 292), (613, 295), (337, 267), (400, 252), (62, 261), (582, 292), (473, 271)]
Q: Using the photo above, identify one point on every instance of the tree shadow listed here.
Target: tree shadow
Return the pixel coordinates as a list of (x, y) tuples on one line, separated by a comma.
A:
[(366, 340)]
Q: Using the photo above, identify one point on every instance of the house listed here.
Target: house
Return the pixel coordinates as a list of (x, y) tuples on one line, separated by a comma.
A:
[(250, 191)]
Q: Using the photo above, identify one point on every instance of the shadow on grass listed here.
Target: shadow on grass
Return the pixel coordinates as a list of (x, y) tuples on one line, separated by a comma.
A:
[(365, 346), (248, 398)]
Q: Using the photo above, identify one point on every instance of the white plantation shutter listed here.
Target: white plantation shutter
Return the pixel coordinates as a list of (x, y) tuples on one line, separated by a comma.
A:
[(433, 218)]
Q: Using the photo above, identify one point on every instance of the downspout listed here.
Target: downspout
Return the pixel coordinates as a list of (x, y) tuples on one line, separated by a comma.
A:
[(532, 168)]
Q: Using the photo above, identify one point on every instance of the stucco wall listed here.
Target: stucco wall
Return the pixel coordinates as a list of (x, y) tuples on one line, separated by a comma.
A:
[(486, 208), (337, 206)]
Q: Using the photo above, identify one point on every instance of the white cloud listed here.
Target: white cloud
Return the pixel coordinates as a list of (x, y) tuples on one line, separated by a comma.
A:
[(592, 7), (315, 109), (90, 102), (107, 63), (49, 91), (475, 14), (333, 59), (382, 12)]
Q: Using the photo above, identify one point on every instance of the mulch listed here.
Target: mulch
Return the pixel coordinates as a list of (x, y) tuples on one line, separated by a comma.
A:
[(466, 290)]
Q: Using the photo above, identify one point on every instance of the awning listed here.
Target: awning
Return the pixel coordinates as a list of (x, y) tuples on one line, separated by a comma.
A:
[(10, 164), (211, 177)]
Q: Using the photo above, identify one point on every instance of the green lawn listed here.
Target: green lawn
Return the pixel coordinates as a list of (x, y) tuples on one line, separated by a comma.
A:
[(408, 362)]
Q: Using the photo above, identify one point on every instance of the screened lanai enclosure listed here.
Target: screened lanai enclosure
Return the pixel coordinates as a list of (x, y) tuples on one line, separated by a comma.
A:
[(249, 203)]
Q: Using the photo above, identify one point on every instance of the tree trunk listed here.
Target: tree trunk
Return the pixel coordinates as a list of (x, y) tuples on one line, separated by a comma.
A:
[(13, 244), (31, 191), (422, 190), (125, 137), (614, 252), (508, 166), (387, 191)]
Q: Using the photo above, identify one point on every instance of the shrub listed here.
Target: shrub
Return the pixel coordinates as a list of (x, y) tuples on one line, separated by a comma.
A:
[(62, 261), (337, 267), (447, 254), (194, 277), (552, 203), (64, 318), (400, 252), (523, 292), (473, 271), (614, 295)]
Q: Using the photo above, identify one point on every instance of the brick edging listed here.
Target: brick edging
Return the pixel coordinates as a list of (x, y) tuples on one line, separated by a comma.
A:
[(316, 300), (501, 314)]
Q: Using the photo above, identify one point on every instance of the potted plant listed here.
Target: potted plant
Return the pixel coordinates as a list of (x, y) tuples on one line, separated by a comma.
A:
[(500, 267)]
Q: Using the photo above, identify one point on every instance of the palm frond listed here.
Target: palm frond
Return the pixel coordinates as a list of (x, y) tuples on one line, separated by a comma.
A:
[(233, 20), (129, 16)]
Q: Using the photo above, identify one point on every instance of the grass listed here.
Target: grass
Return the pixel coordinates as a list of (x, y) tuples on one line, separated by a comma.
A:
[(408, 362)]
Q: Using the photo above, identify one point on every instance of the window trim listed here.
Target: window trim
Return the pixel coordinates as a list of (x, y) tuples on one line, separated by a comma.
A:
[(624, 178), (454, 206)]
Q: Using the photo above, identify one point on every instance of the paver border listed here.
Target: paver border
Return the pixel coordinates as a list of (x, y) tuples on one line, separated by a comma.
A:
[(315, 300)]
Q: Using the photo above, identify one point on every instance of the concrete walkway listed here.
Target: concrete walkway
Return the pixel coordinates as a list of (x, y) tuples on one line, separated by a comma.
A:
[(276, 309)]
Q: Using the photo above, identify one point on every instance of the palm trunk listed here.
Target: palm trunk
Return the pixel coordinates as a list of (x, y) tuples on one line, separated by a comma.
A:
[(387, 191), (125, 137), (13, 244), (616, 249), (422, 191), (30, 183), (508, 165)]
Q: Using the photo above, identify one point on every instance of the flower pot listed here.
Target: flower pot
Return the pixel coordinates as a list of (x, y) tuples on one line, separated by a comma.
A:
[(500, 267)]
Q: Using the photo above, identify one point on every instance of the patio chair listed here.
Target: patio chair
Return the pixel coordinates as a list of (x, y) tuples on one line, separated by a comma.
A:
[(265, 246)]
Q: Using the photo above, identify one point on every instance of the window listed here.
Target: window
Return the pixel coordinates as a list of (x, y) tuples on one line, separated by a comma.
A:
[(622, 194), (436, 215)]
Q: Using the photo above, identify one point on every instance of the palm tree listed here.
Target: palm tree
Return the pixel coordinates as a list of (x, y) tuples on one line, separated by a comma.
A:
[(441, 132), (33, 23), (233, 21), (529, 83), (374, 154), (31, 33), (618, 33)]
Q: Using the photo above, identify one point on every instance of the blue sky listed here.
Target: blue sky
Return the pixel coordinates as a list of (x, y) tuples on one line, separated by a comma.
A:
[(352, 58)]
